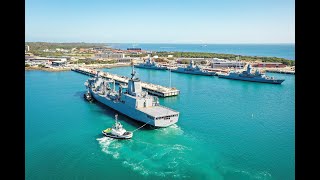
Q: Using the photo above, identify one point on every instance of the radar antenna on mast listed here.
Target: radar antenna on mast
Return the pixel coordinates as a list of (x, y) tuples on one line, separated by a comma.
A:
[(133, 72)]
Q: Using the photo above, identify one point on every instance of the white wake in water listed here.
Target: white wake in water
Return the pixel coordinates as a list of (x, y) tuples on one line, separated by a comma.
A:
[(171, 130), (148, 158), (105, 143), (264, 175)]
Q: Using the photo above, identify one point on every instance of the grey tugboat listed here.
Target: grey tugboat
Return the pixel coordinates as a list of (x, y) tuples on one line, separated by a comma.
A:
[(117, 131)]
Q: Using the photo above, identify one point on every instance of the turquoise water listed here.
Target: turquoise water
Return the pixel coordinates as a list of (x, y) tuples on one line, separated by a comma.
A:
[(270, 50), (227, 130)]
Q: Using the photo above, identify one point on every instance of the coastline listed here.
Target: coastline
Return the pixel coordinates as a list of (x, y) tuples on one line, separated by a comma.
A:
[(47, 69), (286, 70), (94, 66)]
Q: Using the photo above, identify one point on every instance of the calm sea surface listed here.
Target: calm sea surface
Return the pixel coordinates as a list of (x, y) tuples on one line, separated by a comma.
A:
[(271, 50), (227, 130)]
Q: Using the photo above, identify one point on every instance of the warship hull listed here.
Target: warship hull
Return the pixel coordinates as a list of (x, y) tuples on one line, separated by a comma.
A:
[(133, 113), (270, 81)]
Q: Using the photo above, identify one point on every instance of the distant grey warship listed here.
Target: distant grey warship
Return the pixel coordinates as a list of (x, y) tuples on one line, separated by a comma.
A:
[(257, 76), (193, 69), (150, 64), (131, 100)]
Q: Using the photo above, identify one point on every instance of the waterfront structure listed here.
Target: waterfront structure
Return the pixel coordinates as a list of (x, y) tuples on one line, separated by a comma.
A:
[(223, 63), (135, 50), (131, 100), (192, 59), (28, 56), (109, 55), (257, 76), (269, 65), (283, 71), (124, 60), (62, 62), (45, 61), (193, 69), (150, 64), (34, 62)]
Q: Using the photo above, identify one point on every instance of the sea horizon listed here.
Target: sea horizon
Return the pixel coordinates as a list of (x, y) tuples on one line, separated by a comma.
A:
[(280, 50), (286, 51), (153, 42)]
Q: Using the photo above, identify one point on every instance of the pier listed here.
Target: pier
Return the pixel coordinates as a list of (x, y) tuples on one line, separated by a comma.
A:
[(280, 71), (153, 89)]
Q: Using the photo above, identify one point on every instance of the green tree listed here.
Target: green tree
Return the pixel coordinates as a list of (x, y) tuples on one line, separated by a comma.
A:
[(185, 61)]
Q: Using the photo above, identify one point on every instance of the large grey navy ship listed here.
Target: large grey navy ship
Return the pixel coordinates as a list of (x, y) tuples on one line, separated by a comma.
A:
[(150, 64), (131, 100), (193, 69), (257, 76)]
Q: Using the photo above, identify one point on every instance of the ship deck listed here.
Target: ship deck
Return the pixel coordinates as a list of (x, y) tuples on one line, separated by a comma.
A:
[(158, 111)]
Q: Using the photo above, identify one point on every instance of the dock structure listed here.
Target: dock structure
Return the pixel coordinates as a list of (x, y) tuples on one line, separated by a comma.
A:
[(280, 71), (153, 89)]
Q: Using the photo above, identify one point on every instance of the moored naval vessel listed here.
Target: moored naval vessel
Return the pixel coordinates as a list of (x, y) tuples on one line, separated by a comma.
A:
[(150, 64), (246, 75), (131, 100), (193, 69)]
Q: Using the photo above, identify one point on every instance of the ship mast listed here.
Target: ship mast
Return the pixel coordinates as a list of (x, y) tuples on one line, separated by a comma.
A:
[(116, 117), (237, 58), (170, 77), (133, 72)]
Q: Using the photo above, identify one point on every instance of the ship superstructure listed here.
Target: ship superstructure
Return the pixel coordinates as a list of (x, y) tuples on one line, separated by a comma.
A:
[(150, 64), (193, 69)]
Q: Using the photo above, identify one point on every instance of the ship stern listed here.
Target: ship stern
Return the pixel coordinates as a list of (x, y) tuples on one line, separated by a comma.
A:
[(166, 122)]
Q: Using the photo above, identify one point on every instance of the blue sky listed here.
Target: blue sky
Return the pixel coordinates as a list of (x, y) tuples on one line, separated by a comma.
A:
[(165, 21)]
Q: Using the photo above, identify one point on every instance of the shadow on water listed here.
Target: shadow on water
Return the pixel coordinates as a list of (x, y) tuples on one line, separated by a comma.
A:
[(80, 94), (98, 135), (169, 99)]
